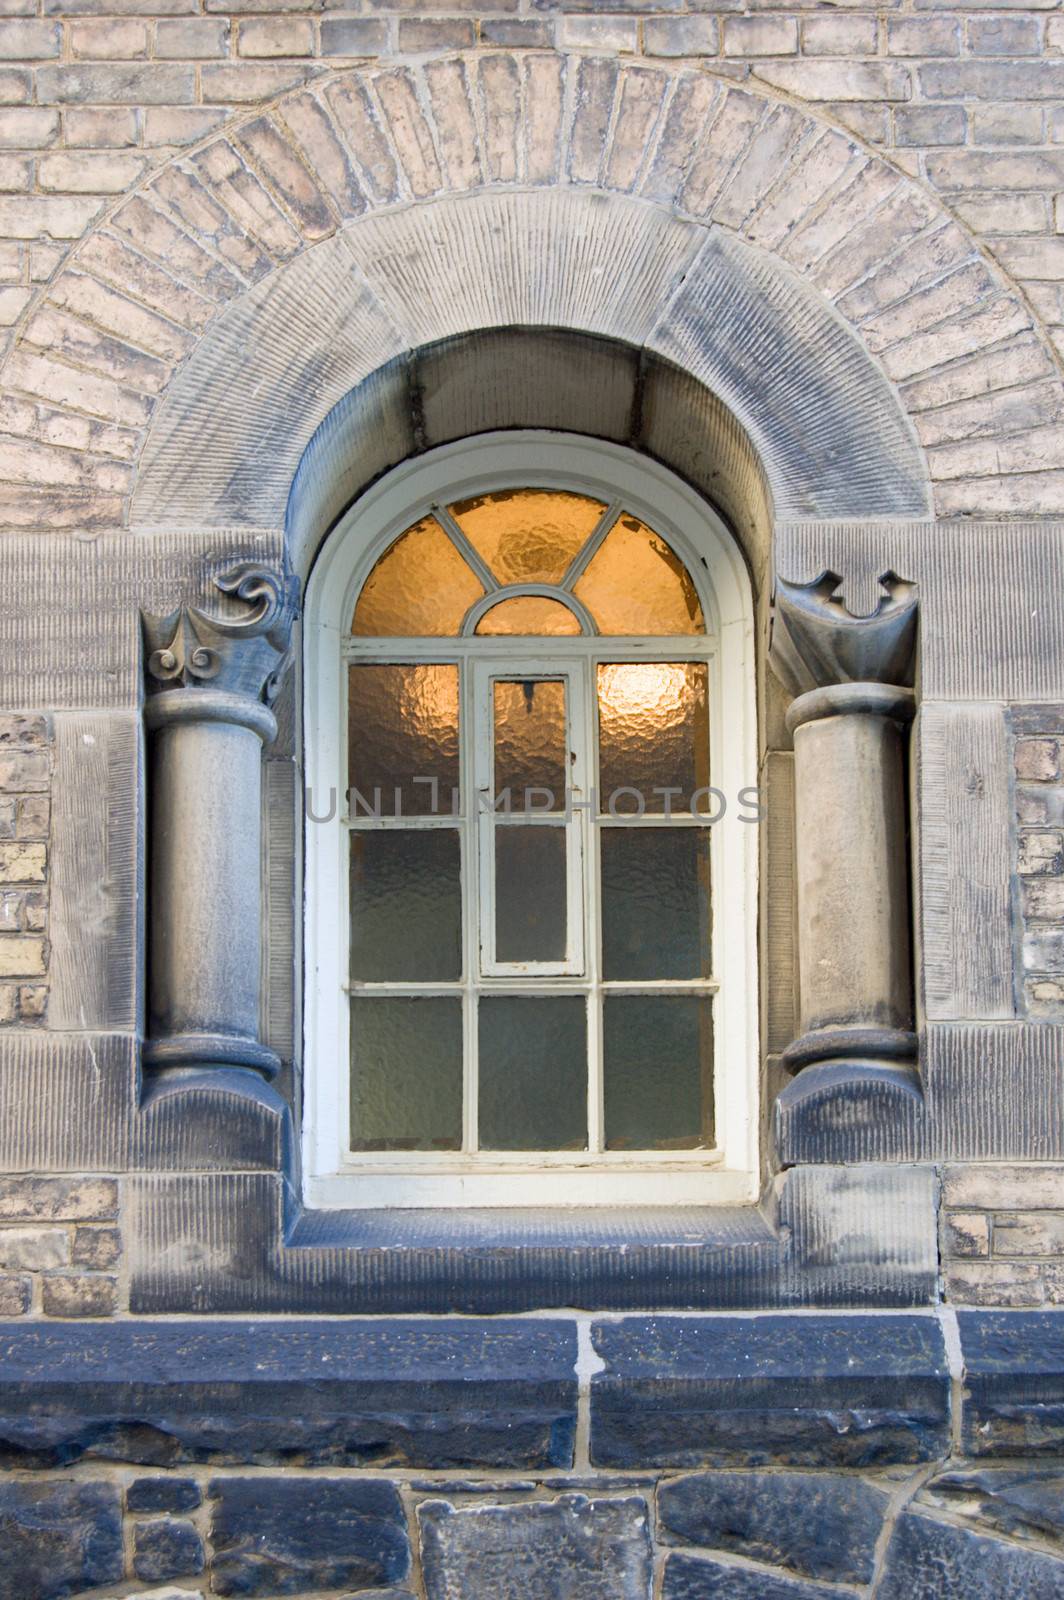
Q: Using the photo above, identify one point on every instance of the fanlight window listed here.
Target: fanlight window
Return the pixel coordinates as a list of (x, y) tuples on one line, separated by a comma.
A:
[(530, 967)]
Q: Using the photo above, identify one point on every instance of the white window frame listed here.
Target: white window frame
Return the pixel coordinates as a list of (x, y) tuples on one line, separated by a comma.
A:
[(728, 1175)]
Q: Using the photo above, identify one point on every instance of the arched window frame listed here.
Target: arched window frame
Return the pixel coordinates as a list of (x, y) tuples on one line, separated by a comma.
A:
[(609, 472)]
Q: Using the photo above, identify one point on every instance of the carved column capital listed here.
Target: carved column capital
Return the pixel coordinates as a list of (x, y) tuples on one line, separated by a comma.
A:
[(817, 641)]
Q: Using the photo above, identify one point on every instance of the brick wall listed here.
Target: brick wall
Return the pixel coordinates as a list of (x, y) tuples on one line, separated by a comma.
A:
[(1003, 1235), (25, 778)]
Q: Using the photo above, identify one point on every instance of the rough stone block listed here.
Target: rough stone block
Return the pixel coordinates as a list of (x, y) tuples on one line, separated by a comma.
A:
[(966, 1233), (1014, 1375), (817, 1525), (163, 1494), (803, 1391), (703, 1578), (57, 1199), (167, 1549), (79, 1295), (33, 1249), (927, 1556), (58, 1538), (1022, 1502), (581, 1548), (288, 1535)]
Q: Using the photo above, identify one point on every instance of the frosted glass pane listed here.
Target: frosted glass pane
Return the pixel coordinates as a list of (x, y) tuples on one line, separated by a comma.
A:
[(529, 614), (653, 734), (533, 1073), (406, 1074), (658, 1066), (636, 584), (406, 906), (420, 585), (402, 724), (529, 893), (655, 903), (528, 535), (530, 741)]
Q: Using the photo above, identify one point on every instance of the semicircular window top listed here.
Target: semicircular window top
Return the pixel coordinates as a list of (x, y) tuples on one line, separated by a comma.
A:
[(528, 966), (528, 562)]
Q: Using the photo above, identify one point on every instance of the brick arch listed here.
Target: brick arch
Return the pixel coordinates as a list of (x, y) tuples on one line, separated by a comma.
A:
[(720, 186)]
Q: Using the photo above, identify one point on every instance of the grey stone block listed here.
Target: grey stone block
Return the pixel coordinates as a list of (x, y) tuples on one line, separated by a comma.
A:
[(273, 1536), (1014, 1377), (58, 1538), (166, 1549), (702, 1578), (851, 1391), (574, 1547), (934, 1560), (1020, 1501), (444, 1395), (163, 1494), (813, 1523)]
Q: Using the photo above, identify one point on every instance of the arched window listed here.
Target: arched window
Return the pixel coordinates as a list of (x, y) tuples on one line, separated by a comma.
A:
[(531, 871)]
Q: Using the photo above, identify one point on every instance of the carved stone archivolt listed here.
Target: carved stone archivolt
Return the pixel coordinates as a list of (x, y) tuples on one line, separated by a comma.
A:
[(852, 680), (208, 680)]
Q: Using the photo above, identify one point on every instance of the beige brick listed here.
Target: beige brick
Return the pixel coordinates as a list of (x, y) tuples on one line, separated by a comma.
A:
[(110, 84), (1004, 36), (923, 36), (21, 956), (1037, 759), (44, 259), (681, 36), (109, 39), (840, 36), (1003, 213), (276, 36), (34, 1249), (179, 125), (89, 172), (762, 36), (246, 83), (1036, 1233), (35, 1199), (837, 80), (1009, 124), (966, 1233), (28, 128), (995, 1185), (995, 1283), (353, 36), (16, 87), (191, 38), (45, 214), (22, 863), (29, 41), (422, 34), (921, 126), (13, 303), (113, 129)]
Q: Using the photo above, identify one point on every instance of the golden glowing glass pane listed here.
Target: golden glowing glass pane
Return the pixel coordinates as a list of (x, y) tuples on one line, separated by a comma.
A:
[(653, 734), (420, 585), (636, 584), (529, 613), (528, 535)]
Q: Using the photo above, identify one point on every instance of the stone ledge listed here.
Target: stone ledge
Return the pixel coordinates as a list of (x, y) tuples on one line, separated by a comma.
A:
[(1014, 1382)]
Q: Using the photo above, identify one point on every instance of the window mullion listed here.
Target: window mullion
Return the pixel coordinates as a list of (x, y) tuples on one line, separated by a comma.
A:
[(596, 1105), (469, 718)]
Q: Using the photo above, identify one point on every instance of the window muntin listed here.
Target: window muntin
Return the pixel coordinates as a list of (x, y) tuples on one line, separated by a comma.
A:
[(713, 1163)]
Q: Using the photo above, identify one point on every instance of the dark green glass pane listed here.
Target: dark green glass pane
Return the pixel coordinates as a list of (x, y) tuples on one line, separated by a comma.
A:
[(529, 893), (655, 903), (533, 1072), (406, 1073), (406, 906), (658, 1068)]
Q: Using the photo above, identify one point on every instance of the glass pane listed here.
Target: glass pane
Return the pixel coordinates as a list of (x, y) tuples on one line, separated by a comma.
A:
[(420, 585), (529, 614), (402, 724), (636, 584), (528, 535), (655, 903), (406, 1074), (653, 734), (533, 1073), (658, 1067), (530, 742), (529, 893), (406, 906)]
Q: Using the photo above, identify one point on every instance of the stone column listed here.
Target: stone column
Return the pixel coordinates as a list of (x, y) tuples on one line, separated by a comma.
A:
[(208, 680), (850, 719)]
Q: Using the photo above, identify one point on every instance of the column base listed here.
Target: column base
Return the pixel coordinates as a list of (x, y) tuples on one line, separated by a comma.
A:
[(862, 1043), (208, 1050), (850, 1110)]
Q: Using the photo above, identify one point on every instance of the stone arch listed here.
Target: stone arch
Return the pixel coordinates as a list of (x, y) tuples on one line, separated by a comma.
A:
[(704, 192)]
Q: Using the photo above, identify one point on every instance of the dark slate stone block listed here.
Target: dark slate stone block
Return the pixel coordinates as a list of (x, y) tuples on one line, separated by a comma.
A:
[(1014, 1378), (1015, 1500), (933, 1560), (279, 1536), (702, 1578), (163, 1494), (574, 1547), (822, 1390), (814, 1523), (57, 1539), (444, 1395), (169, 1549)]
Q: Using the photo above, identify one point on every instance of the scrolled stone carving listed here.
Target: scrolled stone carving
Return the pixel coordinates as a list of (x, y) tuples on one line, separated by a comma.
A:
[(818, 641), (238, 654)]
